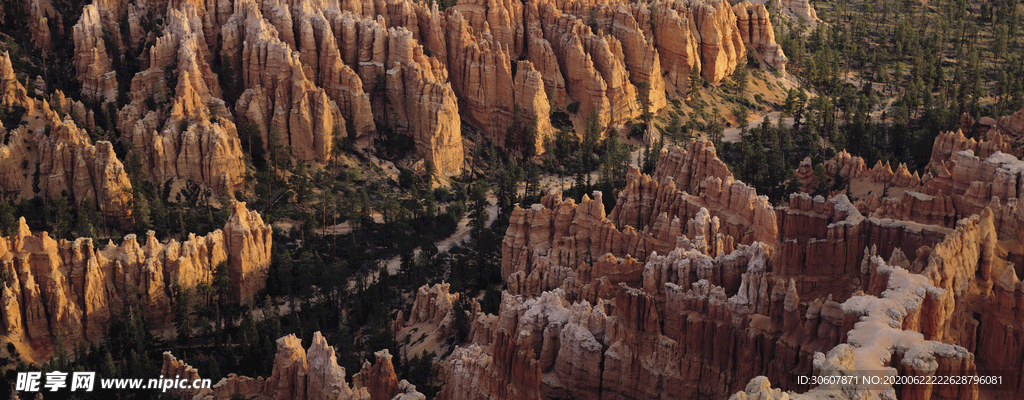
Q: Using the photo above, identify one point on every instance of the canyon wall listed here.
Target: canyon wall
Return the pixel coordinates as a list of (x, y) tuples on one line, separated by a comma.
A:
[(757, 33), (308, 75), (299, 373), (92, 62), (73, 288), (640, 304), (59, 152), (963, 176), (187, 136)]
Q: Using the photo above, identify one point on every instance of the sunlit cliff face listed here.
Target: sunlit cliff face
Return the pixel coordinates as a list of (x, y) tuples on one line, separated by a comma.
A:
[(693, 285)]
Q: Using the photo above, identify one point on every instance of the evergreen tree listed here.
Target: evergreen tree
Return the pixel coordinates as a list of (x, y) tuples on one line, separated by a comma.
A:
[(643, 98), (739, 79), (271, 319), (64, 219), (183, 313), (8, 221), (141, 210), (88, 220), (521, 135), (591, 135), (108, 369), (227, 79), (693, 83)]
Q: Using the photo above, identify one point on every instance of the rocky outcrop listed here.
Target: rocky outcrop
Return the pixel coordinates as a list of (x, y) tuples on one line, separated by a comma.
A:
[(334, 56), (918, 207), (542, 55), (433, 312), (422, 104), (248, 241), (801, 9), (963, 177), (974, 182), (503, 18), (12, 93), (949, 143), (280, 98), (628, 320), (584, 83), (74, 288), (528, 88), (678, 43), (639, 53), (379, 378), (60, 153), (687, 180), (805, 173), (206, 153), (510, 371), (432, 304), (310, 71), (559, 243), (925, 306), (301, 374), (1012, 126), (712, 29), (757, 33), (191, 138), (679, 37), (92, 63), (318, 47), (822, 243), (178, 369), (481, 75)]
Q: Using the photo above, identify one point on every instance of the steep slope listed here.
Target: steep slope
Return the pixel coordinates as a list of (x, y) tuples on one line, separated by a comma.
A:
[(640, 304), (57, 151), (313, 73)]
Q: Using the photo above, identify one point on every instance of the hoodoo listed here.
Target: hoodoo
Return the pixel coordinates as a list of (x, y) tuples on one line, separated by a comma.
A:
[(513, 199)]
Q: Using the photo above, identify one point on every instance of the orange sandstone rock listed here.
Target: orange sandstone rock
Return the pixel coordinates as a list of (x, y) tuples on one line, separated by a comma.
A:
[(79, 286)]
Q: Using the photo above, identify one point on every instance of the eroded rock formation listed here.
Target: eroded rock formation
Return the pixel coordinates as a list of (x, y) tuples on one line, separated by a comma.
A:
[(801, 9), (310, 74), (72, 288), (640, 304), (92, 63), (757, 33), (299, 373), (59, 152), (1013, 126), (279, 97)]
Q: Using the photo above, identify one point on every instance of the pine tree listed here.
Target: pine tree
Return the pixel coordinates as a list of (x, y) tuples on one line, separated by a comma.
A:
[(532, 179), (227, 79), (183, 314), (591, 135), (271, 319), (739, 78), (643, 97), (158, 217), (108, 369), (63, 217), (141, 210), (8, 222), (693, 83)]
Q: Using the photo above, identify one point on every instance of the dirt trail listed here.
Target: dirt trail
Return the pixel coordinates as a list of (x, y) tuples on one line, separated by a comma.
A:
[(394, 265)]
